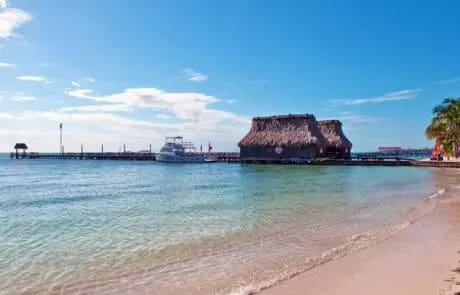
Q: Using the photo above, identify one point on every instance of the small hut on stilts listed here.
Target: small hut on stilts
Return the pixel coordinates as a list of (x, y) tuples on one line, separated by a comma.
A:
[(282, 138), (20, 146), (338, 145)]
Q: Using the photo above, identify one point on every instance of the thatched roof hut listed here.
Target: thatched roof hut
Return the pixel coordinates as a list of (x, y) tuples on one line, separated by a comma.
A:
[(332, 131), (337, 142), (284, 130), (20, 146), (285, 136)]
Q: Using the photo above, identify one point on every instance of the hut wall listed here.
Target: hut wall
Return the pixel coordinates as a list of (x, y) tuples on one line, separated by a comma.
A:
[(338, 153), (263, 152)]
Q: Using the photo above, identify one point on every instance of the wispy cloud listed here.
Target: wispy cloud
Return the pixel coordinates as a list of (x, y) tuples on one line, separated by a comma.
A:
[(6, 116), (185, 106), (40, 79), (79, 83), (22, 98), (387, 97), (80, 93), (7, 65), (17, 96), (194, 76), (448, 81), (11, 19), (76, 84)]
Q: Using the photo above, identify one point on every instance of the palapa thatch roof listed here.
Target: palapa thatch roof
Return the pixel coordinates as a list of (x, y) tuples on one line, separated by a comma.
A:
[(20, 146), (332, 131), (285, 130)]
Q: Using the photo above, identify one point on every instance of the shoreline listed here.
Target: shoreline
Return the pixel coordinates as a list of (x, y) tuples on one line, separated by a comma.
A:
[(420, 259)]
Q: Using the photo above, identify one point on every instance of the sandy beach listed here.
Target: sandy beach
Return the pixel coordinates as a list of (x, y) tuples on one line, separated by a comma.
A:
[(422, 259)]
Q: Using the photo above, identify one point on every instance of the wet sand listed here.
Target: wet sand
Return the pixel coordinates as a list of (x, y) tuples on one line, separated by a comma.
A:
[(422, 259)]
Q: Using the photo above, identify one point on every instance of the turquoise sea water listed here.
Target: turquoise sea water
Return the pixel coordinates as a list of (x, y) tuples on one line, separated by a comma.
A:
[(104, 227)]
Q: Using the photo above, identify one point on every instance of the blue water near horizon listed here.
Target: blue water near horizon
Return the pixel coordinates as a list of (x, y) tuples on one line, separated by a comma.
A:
[(119, 226)]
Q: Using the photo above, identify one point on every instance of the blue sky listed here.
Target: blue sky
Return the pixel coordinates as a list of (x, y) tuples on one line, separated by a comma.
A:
[(133, 72)]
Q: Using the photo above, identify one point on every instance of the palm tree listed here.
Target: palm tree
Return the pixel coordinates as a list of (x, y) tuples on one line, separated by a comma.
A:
[(445, 125)]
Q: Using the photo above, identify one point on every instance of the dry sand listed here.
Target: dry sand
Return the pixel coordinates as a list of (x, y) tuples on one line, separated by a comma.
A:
[(422, 259)]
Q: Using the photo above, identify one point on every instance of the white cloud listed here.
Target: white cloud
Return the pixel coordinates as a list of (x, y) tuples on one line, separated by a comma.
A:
[(91, 129), (190, 111), (40, 79), (195, 76), (101, 118), (391, 96), (82, 81), (79, 93), (2, 3), (22, 98), (184, 105), (11, 19), (448, 81), (17, 96), (113, 120), (6, 65)]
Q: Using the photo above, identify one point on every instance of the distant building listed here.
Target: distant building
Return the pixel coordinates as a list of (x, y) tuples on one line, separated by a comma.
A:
[(292, 137), (390, 149)]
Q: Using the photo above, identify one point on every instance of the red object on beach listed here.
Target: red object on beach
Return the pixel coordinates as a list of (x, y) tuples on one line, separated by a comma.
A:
[(435, 151)]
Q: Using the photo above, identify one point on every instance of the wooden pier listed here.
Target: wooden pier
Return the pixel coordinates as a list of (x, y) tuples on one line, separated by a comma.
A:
[(336, 162), (127, 156), (233, 157), (438, 164)]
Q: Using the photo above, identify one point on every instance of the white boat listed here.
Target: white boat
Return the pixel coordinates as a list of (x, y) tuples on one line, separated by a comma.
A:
[(175, 150)]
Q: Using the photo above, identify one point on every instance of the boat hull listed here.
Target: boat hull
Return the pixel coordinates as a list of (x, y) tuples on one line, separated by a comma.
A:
[(198, 158)]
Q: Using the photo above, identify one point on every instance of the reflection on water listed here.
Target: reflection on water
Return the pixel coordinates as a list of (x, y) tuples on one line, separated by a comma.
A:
[(106, 226)]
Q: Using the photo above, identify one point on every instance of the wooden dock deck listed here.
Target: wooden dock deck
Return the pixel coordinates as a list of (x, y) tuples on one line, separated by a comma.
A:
[(335, 162), (127, 156), (231, 157), (234, 157), (439, 164)]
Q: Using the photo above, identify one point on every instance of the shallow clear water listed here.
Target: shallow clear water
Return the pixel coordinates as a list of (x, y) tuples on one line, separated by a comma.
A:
[(108, 226)]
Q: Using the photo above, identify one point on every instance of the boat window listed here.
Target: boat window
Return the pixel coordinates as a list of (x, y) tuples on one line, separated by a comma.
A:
[(166, 149)]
